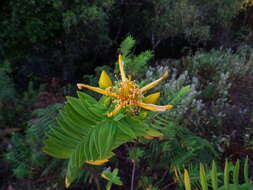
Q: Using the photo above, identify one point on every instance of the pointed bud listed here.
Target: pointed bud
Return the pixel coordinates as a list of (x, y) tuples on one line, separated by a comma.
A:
[(104, 80), (152, 98)]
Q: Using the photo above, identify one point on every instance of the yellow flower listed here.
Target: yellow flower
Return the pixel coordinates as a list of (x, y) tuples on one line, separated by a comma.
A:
[(127, 93)]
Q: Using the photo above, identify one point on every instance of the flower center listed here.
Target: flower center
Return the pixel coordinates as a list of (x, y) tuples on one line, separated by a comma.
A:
[(129, 93)]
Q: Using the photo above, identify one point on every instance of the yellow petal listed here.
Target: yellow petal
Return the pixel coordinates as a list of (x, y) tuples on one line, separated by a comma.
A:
[(98, 90), (153, 107), (97, 162), (154, 83), (152, 98), (104, 80), (115, 111), (121, 68), (67, 183)]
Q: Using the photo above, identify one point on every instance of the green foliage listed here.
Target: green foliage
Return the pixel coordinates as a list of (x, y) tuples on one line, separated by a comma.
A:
[(177, 97), (63, 31), (136, 65), (15, 107), (30, 95), (111, 177), (181, 147), (215, 183), (172, 19), (44, 117), (19, 156), (44, 39), (197, 21), (6, 84), (178, 148), (81, 127), (23, 27), (26, 153), (219, 85), (135, 154), (222, 11), (22, 171), (7, 94)]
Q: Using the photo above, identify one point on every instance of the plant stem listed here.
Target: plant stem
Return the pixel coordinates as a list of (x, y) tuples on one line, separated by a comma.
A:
[(163, 176), (133, 173), (97, 183), (95, 174), (167, 186)]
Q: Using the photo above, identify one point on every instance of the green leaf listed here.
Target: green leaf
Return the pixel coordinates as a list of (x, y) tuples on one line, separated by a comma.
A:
[(236, 174), (187, 182), (125, 129), (214, 176), (246, 170), (135, 154), (226, 175), (127, 45), (203, 179), (84, 96), (179, 95), (112, 176)]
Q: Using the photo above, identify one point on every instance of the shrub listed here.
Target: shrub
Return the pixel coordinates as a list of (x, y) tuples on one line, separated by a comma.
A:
[(220, 83)]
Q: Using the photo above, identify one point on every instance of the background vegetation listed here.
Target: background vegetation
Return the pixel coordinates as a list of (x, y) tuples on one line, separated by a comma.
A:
[(46, 47)]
